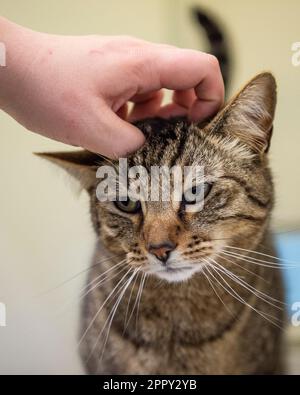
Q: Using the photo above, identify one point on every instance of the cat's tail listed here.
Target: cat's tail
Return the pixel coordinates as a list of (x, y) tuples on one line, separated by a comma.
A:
[(217, 40)]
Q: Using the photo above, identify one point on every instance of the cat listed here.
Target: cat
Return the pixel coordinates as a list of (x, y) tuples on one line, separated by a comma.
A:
[(197, 294)]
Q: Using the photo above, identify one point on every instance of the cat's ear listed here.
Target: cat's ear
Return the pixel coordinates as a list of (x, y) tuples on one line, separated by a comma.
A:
[(82, 165), (249, 115)]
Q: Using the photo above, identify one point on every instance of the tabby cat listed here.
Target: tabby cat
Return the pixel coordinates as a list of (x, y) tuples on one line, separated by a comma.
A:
[(177, 292)]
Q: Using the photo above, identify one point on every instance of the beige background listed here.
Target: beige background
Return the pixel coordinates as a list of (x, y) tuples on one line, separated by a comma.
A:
[(45, 233)]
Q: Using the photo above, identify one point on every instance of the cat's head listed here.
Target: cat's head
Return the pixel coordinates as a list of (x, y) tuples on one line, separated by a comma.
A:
[(163, 237)]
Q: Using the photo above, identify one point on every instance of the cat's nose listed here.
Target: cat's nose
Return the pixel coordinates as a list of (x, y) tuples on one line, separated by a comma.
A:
[(162, 250)]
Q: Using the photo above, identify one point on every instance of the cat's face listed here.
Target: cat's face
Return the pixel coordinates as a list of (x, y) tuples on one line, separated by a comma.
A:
[(166, 239)]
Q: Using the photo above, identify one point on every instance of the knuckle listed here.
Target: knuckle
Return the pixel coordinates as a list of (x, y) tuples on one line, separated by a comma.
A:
[(213, 62), (139, 61)]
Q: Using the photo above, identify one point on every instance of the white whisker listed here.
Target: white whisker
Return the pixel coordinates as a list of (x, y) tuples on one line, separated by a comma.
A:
[(266, 255), (266, 298), (258, 262), (242, 267), (139, 297), (128, 306), (114, 299), (211, 284), (113, 311), (78, 274), (235, 295), (101, 307), (83, 294), (106, 271), (103, 280)]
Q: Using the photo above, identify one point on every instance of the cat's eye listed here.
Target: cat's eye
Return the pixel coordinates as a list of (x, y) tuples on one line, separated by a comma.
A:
[(197, 193), (128, 205)]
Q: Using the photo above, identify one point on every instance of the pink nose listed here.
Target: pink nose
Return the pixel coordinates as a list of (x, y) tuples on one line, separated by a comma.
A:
[(162, 250)]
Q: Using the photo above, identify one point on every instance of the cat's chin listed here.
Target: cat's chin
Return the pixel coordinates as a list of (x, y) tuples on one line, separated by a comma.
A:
[(176, 275)]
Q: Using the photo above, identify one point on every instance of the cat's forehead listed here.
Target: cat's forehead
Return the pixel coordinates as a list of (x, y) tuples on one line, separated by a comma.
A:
[(168, 142), (179, 142)]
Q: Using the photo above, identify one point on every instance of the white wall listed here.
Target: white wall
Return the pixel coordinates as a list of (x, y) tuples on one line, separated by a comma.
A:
[(45, 233)]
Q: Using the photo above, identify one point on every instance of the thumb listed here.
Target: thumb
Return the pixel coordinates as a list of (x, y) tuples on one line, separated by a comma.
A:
[(114, 137)]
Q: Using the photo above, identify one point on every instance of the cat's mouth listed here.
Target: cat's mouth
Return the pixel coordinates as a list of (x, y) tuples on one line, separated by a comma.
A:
[(176, 274), (176, 269), (173, 273), (173, 269)]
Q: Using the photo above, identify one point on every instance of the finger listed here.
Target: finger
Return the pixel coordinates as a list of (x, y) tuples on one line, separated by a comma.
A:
[(172, 110), (182, 101), (184, 98), (123, 111), (206, 103), (181, 69), (112, 137), (202, 109), (146, 105)]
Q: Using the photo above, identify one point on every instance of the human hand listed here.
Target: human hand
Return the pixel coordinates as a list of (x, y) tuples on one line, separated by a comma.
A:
[(76, 89)]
